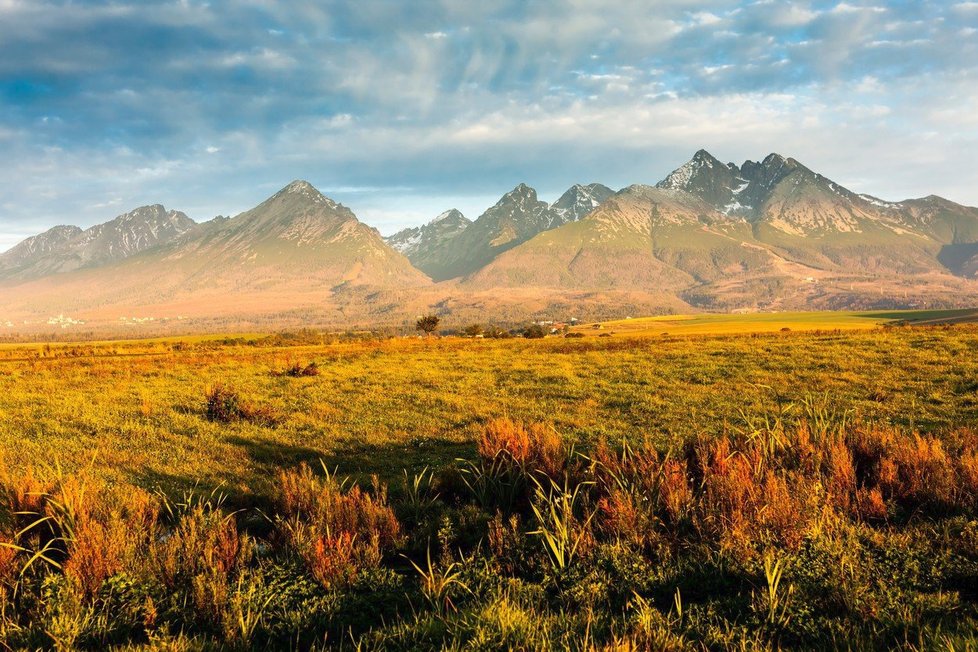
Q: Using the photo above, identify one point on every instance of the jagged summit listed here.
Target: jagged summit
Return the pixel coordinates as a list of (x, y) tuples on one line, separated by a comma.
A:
[(450, 214), (578, 202), (450, 245), (421, 242), (67, 248)]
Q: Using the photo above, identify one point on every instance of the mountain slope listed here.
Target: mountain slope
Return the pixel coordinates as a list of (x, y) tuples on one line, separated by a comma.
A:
[(641, 238), (67, 248), (424, 245), (765, 234), (515, 218), (296, 248)]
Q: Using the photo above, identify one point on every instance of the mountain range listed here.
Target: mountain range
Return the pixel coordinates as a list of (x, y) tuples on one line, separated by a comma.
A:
[(765, 235)]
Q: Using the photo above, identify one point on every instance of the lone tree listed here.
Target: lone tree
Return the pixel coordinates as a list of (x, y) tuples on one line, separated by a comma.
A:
[(473, 330), (428, 324)]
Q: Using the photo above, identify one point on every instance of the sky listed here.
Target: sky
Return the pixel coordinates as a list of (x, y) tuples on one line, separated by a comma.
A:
[(402, 110)]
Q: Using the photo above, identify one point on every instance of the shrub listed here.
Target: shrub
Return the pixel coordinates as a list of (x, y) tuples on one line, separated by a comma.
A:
[(224, 405), (337, 531), (534, 332), (497, 333), (536, 448), (202, 558), (296, 370)]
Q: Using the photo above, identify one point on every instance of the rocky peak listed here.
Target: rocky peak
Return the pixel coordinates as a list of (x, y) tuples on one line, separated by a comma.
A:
[(578, 202), (452, 215), (419, 242), (304, 190), (521, 194), (707, 178)]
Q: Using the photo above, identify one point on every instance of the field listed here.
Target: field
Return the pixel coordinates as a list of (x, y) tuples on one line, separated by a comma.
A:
[(716, 324), (727, 485)]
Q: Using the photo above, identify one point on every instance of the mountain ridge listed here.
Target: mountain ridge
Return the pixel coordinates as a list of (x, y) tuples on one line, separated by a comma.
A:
[(764, 235)]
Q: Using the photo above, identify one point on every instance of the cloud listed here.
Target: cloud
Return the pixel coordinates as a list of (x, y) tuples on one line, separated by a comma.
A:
[(206, 106)]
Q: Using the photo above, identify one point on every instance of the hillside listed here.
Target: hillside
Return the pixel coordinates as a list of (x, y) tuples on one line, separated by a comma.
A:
[(296, 249), (764, 235)]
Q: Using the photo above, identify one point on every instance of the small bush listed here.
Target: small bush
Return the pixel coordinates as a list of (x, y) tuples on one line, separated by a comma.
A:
[(224, 405), (534, 448), (296, 370), (496, 333), (336, 531)]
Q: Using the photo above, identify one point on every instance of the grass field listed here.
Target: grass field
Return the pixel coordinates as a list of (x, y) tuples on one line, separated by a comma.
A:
[(716, 324), (880, 555)]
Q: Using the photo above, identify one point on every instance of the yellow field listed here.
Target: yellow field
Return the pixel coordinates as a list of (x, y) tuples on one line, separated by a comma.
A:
[(717, 324), (721, 487)]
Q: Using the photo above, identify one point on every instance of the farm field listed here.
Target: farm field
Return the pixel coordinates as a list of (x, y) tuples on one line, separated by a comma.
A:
[(721, 487)]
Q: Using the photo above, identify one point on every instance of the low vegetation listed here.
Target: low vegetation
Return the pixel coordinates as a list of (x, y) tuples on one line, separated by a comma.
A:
[(787, 491)]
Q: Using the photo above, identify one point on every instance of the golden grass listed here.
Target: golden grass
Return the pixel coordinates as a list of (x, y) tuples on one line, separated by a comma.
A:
[(378, 406)]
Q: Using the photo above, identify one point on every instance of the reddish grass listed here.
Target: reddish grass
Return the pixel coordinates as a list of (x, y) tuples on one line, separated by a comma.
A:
[(336, 531), (535, 448)]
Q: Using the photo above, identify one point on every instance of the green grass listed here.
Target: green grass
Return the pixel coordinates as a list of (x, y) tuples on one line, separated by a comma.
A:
[(592, 555), (376, 407), (717, 324)]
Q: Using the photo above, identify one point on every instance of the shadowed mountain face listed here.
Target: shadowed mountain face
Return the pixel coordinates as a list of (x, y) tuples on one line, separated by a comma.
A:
[(764, 235), (424, 245)]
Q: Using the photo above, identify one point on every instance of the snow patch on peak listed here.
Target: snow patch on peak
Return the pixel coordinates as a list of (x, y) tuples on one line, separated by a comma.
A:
[(679, 178), (450, 213), (876, 201), (300, 186)]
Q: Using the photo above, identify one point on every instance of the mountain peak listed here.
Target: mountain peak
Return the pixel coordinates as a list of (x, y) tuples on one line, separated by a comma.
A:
[(704, 157), (304, 189), (686, 175), (420, 243), (522, 190), (578, 202), (300, 186), (450, 214)]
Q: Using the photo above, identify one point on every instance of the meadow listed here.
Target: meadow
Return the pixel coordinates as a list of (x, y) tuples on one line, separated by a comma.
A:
[(791, 489)]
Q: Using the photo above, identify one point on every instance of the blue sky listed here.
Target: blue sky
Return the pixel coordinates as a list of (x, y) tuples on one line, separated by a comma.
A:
[(404, 109)]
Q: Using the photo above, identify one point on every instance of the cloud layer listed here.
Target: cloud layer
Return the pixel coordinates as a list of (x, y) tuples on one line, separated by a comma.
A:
[(402, 110)]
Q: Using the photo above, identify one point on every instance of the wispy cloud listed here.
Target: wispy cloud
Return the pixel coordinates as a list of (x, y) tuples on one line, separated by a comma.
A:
[(207, 106)]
